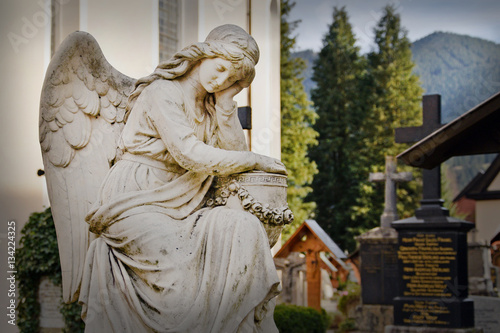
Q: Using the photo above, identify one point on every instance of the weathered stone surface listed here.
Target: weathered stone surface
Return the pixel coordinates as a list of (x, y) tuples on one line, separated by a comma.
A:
[(137, 162), (406, 329), (49, 297), (372, 318), (487, 313), (379, 270)]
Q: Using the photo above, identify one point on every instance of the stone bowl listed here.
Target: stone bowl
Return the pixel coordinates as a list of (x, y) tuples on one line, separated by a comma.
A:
[(259, 193)]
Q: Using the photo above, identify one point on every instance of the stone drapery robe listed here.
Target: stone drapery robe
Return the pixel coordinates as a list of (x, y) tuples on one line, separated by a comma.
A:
[(161, 263)]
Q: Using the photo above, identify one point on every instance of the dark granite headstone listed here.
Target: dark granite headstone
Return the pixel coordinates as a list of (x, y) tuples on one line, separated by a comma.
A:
[(432, 261), (379, 269)]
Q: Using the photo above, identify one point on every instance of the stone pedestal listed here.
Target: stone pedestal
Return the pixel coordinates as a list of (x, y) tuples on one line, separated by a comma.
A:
[(432, 266), (406, 329), (372, 318)]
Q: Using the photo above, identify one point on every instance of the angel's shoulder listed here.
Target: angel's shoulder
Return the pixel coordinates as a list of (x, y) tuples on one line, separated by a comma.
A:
[(164, 90)]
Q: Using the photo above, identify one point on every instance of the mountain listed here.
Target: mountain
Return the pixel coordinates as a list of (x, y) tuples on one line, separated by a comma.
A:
[(464, 70), (309, 57)]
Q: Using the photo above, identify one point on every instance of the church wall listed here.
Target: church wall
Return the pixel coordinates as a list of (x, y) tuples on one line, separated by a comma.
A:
[(487, 212), (495, 184), (25, 52), (126, 31)]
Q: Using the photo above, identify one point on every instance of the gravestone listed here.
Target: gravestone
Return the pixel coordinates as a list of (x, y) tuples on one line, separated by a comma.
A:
[(377, 250), (433, 278), (378, 246), (487, 313), (379, 270), (432, 256), (50, 297), (432, 268)]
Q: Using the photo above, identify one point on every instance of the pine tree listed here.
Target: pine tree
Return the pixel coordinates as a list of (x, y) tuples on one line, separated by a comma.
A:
[(297, 116), (395, 102), (339, 100)]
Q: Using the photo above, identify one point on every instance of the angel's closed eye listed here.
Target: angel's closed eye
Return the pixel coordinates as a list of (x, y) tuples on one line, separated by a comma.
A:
[(220, 68)]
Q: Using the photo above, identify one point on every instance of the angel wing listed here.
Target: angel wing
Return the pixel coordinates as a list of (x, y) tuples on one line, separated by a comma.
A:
[(82, 113)]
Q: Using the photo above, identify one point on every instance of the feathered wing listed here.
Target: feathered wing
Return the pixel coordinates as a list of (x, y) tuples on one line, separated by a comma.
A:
[(82, 113)]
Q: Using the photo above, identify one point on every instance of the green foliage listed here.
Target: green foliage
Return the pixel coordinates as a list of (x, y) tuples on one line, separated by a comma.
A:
[(38, 256), (360, 101), (350, 296), (395, 102), (291, 318), (297, 135), (349, 324), (340, 102)]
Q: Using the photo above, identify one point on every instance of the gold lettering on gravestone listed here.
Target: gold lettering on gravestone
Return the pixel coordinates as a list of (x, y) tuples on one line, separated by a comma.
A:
[(426, 260), (425, 312)]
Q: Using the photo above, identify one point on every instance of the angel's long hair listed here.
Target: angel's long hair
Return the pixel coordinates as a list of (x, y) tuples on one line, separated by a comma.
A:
[(229, 42)]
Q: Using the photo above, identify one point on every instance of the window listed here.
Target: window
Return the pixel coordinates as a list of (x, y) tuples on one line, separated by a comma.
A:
[(168, 23)]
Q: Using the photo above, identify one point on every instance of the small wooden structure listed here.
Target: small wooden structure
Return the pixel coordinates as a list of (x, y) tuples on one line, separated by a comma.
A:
[(474, 132), (314, 242)]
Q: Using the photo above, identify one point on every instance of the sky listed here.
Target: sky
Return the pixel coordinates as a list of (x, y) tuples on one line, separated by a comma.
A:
[(476, 18)]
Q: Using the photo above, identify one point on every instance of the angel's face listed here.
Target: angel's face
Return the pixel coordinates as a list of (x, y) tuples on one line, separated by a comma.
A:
[(217, 74)]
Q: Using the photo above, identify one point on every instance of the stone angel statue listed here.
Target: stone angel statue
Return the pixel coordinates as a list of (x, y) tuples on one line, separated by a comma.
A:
[(130, 166)]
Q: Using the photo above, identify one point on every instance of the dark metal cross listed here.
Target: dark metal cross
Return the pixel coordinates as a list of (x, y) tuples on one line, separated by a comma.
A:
[(431, 122)]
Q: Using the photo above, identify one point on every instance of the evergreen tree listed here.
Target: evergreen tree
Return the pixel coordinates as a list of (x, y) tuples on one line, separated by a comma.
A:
[(395, 102), (339, 100), (297, 135)]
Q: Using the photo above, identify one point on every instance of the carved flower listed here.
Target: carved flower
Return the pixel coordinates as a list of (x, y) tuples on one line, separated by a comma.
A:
[(210, 202), (277, 216), (223, 201), (242, 193), (288, 216), (246, 203), (233, 186), (224, 193), (257, 207), (268, 214), (259, 216), (218, 201)]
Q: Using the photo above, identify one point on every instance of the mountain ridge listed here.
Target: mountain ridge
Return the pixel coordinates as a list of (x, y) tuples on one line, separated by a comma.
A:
[(464, 70)]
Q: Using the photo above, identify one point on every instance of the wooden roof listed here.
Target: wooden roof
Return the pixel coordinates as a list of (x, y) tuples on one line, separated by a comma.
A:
[(316, 239), (475, 132), (477, 188)]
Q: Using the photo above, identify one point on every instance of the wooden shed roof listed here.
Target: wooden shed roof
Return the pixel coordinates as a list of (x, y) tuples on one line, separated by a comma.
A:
[(475, 132)]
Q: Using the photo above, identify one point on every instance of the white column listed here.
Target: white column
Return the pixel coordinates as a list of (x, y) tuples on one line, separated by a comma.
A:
[(265, 90)]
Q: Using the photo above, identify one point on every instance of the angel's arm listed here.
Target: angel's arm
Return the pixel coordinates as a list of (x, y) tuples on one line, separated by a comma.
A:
[(175, 131), (230, 133)]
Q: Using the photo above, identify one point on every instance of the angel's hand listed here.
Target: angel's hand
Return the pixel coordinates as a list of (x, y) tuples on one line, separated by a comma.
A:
[(224, 98), (269, 164)]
